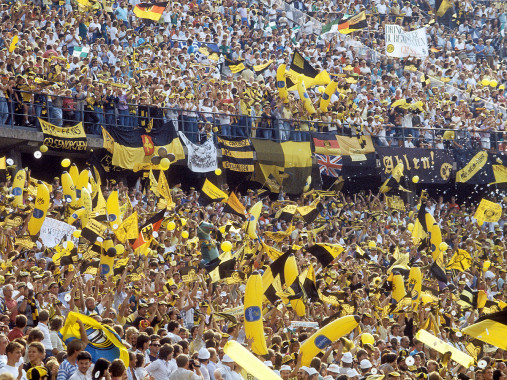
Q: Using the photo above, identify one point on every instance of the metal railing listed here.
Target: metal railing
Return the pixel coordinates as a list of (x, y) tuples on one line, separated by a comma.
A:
[(198, 124)]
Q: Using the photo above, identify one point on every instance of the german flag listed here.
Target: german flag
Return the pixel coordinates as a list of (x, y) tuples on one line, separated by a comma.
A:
[(325, 253), (234, 206), (490, 328), (210, 193), (150, 11), (146, 231), (354, 23), (326, 144)]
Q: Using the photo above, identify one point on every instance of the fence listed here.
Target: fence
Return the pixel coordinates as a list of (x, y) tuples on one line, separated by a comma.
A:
[(197, 124)]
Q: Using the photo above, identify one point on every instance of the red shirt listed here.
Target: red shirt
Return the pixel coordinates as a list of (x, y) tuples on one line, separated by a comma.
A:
[(15, 333)]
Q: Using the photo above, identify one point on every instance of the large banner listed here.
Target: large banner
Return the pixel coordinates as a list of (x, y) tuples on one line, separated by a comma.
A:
[(64, 138), (403, 44), (53, 232), (201, 158), (430, 165), (237, 154)]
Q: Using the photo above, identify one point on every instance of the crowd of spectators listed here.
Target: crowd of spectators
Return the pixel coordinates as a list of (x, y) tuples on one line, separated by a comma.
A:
[(98, 63)]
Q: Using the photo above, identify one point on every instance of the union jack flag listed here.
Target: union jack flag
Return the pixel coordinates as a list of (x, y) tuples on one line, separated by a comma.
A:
[(329, 165)]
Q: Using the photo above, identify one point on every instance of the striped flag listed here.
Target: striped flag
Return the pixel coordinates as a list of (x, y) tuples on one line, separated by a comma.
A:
[(150, 11)]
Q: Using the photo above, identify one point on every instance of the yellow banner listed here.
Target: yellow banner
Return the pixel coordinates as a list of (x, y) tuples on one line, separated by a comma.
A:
[(471, 169), (500, 172), (461, 261), (68, 138)]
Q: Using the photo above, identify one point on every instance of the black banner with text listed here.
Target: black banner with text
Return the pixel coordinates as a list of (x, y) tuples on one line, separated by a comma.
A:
[(430, 165)]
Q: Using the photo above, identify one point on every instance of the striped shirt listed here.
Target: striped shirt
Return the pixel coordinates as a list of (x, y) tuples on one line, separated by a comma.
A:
[(66, 370)]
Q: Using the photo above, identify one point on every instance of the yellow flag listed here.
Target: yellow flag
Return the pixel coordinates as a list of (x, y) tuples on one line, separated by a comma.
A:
[(108, 141), (153, 183), (13, 44), (164, 190), (128, 229), (272, 253), (488, 212), (461, 261)]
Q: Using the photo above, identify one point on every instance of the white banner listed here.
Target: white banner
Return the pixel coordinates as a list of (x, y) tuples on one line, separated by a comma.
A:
[(403, 44), (201, 158), (53, 232), (312, 325)]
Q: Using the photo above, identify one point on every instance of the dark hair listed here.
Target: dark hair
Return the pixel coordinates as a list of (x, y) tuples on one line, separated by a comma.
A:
[(139, 360), (141, 340), (100, 367), (21, 321), (39, 346), (171, 326), (84, 355), (35, 334), (165, 351), (12, 346), (182, 360), (117, 368), (74, 346), (43, 315), (56, 323)]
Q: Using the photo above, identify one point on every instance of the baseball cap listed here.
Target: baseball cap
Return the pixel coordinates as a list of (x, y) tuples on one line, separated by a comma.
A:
[(347, 358), (227, 359), (365, 364), (203, 354), (333, 368)]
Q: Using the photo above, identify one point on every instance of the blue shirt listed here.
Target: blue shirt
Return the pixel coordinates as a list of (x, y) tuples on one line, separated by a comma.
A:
[(66, 370)]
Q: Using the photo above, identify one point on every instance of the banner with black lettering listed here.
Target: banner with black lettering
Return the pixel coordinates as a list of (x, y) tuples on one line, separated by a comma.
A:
[(237, 154), (64, 138), (480, 167), (430, 165)]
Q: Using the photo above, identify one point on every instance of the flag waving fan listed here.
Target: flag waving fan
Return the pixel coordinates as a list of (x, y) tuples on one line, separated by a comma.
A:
[(490, 328)]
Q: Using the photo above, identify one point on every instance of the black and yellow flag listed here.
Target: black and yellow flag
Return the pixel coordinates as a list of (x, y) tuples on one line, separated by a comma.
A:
[(286, 213), (307, 280), (325, 253), (3, 169), (235, 66), (93, 230), (353, 24), (120, 265), (164, 190), (301, 69), (281, 273), (461, 261), (128, 229), (490, 328), (224, 268), (488, 211), (234, 206), (259, 69), (441, 6), (272, 252), (394, 180), (285, 165), (309, 213), (476, 299), (210, 194), (237, 154)]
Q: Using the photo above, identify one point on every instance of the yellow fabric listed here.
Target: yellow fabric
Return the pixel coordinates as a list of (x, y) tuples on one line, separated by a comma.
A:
[(127, 158)]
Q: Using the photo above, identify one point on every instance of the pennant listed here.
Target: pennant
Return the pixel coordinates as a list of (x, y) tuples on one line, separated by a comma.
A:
[(310, 213), (210, 194), (325, 253), (234, 206), (103, 341), (164, 190), (150, 11)]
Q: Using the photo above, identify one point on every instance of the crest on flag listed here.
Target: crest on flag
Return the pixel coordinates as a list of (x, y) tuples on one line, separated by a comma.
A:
[(148, 146), (329, 165)]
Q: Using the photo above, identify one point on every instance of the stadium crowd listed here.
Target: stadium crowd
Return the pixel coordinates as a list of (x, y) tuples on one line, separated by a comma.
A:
[(100, 64), (175, 327), (97, 63)]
